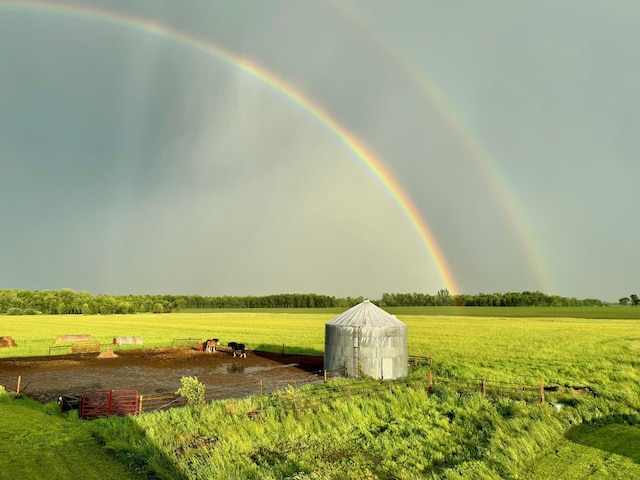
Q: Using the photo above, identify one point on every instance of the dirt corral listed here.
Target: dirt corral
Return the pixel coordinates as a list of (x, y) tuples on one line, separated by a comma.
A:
[(158, 372)]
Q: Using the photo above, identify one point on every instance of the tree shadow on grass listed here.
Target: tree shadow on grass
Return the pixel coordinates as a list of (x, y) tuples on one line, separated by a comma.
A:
[(123, 438), (619, 438), (286, 349)]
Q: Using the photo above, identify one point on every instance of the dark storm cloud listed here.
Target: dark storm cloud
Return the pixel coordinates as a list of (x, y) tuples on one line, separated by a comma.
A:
[(132, 163)]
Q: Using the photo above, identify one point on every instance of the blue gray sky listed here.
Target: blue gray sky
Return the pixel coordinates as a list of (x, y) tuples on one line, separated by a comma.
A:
[(133, 163)]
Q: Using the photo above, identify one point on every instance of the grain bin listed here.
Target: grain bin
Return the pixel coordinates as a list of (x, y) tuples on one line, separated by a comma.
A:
[(366, 340)]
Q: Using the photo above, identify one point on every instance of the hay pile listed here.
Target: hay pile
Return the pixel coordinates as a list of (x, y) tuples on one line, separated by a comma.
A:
[(108, 353), (7, 342)]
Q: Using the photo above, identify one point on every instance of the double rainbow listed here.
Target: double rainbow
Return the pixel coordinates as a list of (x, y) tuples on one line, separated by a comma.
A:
[(362, 153)]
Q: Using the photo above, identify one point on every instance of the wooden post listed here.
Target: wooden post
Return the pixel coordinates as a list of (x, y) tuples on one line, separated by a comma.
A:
[(484, 386), (346, 373), (19, 381), (283, 348), (541, 390), (140, 404), (261, 390), (430, 381), (325, 376)]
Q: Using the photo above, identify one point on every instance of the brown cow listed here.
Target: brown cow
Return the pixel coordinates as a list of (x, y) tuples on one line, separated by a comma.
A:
[(211, 345)]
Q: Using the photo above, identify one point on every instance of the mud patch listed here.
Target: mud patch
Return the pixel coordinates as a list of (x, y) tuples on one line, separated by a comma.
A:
[(158, 372)]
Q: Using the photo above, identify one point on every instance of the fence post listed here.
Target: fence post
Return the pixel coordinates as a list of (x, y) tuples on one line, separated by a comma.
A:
[(283, 348), (19, 381), (140, 404), (541, 390), (261, 390), (430, 381), (325, 376), (346, 373), (484, 386)]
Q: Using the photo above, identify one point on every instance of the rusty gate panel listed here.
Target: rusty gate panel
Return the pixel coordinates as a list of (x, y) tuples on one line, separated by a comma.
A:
[(103, 403)]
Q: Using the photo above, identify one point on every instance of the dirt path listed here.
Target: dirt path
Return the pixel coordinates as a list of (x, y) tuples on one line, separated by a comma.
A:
[(158, 372)]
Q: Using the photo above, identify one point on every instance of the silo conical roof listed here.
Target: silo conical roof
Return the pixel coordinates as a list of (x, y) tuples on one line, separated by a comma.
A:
[(366, 314)]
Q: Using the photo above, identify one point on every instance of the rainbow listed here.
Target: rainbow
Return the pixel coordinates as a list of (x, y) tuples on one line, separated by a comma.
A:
[(446, 109), (374, 164)]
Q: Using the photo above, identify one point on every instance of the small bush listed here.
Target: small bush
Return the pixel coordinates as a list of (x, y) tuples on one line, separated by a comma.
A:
[(193, 391)]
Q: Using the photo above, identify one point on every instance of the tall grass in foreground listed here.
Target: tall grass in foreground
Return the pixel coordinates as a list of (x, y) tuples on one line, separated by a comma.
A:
[(406, 434)]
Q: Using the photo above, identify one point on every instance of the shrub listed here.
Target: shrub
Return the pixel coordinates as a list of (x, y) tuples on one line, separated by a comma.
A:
[(193, 391)]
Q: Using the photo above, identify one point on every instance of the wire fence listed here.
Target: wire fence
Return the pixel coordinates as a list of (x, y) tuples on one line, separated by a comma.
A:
[(299, 399), (292, 394)]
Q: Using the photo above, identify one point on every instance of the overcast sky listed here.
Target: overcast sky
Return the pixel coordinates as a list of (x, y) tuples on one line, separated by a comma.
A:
[(131, 162)]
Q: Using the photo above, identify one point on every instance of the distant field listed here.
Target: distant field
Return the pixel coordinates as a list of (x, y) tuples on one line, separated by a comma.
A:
[(556, 348), (602, 353), (34, 334), (613, 311)]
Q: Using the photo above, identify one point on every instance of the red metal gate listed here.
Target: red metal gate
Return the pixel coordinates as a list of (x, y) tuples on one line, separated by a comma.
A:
[(102, 403)]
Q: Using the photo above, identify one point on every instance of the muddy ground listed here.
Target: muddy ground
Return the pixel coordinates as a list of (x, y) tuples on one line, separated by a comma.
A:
[(157, 372)]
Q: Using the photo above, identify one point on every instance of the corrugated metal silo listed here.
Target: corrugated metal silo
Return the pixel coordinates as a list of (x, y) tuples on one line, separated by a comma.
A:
[(367, 336)]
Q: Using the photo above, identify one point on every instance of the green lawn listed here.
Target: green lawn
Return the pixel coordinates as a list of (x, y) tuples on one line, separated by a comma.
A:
[(34, 444), (609, 451)]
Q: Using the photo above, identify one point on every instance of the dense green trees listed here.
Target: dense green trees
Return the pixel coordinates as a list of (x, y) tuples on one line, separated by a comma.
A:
[(633, 298), (508, 299), (67, 301)]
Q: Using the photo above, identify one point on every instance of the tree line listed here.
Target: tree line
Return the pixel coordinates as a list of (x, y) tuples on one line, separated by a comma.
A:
[(68, 301), (508, 299), (632, 299)]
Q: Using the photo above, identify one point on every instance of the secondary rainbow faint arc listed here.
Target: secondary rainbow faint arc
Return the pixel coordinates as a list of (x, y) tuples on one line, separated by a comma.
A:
[(356, 146), (453, 119)]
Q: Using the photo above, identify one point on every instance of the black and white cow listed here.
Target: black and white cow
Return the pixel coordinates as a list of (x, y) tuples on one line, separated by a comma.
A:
[(238, 349)]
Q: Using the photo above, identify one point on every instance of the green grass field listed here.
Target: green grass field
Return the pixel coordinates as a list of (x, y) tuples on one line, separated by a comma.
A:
[(590, 437), (37, 443)]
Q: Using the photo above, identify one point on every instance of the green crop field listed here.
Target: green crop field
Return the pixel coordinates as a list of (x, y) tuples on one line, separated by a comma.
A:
[(404, 433)]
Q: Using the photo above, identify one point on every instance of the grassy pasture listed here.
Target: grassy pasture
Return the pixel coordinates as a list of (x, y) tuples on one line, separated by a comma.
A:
[(611, 312), (407, 435), (562, 350), (304, 332)]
